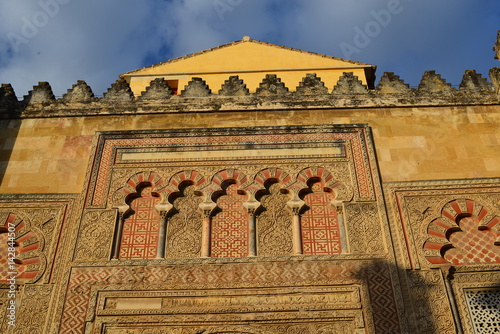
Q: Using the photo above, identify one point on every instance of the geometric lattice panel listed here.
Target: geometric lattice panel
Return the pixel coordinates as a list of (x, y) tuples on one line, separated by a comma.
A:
[(140, 230), (320, 226), (472, 245), (230, 226), (484, 308), (466, 233)]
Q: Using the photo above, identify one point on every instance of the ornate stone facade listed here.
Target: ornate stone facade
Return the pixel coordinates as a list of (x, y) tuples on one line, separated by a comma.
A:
[(447, 232), (265, 212)]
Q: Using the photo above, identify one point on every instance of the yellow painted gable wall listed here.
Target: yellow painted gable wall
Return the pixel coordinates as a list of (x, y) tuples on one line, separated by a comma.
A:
[(251, 61)]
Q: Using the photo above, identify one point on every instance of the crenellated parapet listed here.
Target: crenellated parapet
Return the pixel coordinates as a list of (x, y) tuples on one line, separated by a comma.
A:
[(495, 78), (392, 84), (8, 99), (41, 94), (157, 90), (234, 86), (271, 85), (197, 87), (119, 92), (433, 83), (474, 82), (272, 93), (311, 85), (80, 92), (349, 84)]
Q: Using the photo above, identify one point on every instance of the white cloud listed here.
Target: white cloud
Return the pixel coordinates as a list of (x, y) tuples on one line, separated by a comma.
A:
[(88, 40), (97, 40)]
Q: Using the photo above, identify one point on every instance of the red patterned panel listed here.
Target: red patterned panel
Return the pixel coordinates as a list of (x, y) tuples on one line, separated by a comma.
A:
[(140, 230), (26, 247), (230, 227), (4, 266), (472, 245), (320, 226)]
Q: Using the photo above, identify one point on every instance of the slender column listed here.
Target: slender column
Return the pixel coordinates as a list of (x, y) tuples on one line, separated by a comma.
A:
[(296, 204), (118, 236), (160, 252), (340, 218), (251, 206), (205, 234), (207, 208), (448, 274), (296, 232), (252, 235)]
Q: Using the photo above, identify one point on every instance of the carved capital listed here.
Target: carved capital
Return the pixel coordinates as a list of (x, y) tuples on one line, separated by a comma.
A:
[(251, 206), (296, 205), (207, 208), (163, 209)]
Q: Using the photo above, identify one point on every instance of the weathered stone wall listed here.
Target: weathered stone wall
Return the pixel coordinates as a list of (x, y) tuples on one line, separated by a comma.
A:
[(45, 146)]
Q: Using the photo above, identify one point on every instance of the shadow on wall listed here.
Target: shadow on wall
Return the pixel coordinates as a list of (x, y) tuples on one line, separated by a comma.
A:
[(9, 129), (9, 126), (434, 301), (414, 310)]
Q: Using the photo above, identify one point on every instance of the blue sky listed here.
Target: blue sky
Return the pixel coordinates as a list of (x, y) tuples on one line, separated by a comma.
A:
[(62, 41)]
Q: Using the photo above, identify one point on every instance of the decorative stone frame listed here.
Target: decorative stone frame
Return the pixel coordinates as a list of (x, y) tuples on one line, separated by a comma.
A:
[(342, 156), (414, 205), (472, 277)]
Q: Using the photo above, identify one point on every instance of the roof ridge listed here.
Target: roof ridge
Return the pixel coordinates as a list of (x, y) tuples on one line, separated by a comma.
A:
[(311, 52), (198, 53)]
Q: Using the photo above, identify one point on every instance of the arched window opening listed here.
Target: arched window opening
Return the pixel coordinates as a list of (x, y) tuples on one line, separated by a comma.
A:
[(319, 221), (230, 224), (274, 221), (139, 239), (184, 225)]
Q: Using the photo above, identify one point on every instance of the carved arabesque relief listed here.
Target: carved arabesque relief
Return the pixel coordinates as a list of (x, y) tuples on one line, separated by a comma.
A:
[(184, 224), (419, 208), (228, 200), (274, 229), (128, 186), (429, 302), (337, 327), (477, 295), (181, 184), (96, 235), (34, 308), (364, 229), (332, 293)]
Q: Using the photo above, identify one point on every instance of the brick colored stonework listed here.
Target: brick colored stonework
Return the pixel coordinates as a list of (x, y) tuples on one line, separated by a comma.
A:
[(141, 229), (320, 226), (230, 227)]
